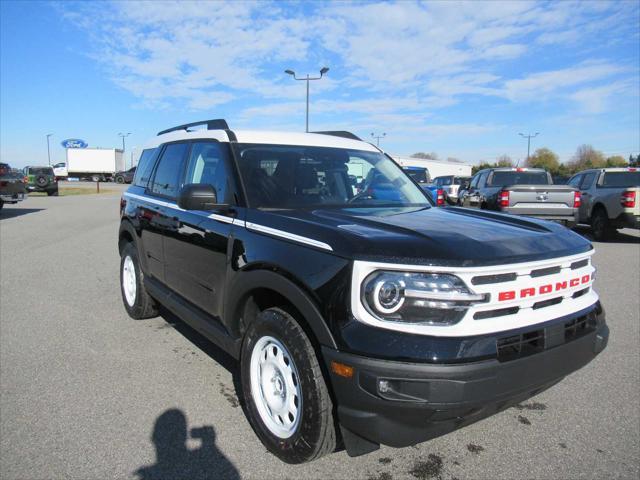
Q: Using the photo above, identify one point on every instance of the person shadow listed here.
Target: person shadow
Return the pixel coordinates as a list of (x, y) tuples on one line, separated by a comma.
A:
[(175, 461)]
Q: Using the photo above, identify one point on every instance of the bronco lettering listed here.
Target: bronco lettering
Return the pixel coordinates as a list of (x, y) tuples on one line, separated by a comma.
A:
[(542, 289)]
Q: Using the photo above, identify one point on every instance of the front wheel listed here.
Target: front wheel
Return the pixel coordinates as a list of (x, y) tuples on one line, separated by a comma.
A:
[(288, 403), (119, 179), (137, 301)]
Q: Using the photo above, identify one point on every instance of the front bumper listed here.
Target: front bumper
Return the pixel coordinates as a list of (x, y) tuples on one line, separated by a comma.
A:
[(13, 197), (418, 401)]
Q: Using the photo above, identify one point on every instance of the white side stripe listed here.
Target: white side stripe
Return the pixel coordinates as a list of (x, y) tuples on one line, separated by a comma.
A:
[(289, 236), (234, 221)]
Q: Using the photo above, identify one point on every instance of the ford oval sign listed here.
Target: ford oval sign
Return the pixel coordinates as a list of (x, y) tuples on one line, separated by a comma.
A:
[(73, 143)]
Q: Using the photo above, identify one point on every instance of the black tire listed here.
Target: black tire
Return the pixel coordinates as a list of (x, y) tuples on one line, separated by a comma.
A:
[(144, 306), (315, 434), (52, 193), (42, 181), (96, 178), (119, 179), (602, 229)]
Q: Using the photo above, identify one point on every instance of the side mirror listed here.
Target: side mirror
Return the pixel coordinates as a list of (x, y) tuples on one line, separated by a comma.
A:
[(199, 196)]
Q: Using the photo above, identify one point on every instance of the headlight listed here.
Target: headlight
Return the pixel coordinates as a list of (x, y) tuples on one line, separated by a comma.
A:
[(428, 298)]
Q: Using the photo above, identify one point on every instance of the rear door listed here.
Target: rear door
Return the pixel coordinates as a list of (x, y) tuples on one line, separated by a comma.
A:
[(158, 210)]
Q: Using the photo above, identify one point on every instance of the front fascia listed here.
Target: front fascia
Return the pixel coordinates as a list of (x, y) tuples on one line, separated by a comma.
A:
[(523, 293)]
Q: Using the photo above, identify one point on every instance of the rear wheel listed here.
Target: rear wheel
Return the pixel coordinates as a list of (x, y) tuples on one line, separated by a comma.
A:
[(137, 301), (602, 229), (119, 179), (288, 403), (95, 178)]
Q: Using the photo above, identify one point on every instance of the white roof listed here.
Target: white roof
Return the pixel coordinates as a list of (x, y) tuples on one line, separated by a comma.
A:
[(265, 137)]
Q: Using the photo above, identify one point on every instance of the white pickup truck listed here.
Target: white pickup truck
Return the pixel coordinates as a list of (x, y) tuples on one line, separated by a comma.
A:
[(610, 199)]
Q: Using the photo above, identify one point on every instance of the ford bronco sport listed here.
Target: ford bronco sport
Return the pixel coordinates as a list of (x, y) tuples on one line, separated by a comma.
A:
[(357, 320)]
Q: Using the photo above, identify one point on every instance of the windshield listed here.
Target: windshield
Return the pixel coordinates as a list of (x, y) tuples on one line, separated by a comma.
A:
[(621, 179), (40, 171), (283, 176), (418, 174), (519, 178)]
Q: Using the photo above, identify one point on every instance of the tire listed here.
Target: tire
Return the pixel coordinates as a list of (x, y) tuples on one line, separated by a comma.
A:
[(600, 225), (137, 302), (41, 181), (95, 178), (1, 204), (52, 193), (294, 372), (119, 179)]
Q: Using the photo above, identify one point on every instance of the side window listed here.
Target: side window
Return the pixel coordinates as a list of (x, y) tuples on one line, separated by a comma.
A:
[(575, 181), (167, 175), (145, 167), (587, 181), (207, 165), (483, 179), (474, 181)]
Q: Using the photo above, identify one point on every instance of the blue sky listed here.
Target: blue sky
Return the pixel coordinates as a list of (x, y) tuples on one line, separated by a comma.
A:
[(460, 79)]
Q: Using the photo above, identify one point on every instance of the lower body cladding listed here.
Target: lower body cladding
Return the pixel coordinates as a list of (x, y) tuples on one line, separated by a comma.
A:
[(401, 404)]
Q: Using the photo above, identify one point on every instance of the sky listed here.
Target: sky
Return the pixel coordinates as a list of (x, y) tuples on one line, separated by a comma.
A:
[(461, 79)]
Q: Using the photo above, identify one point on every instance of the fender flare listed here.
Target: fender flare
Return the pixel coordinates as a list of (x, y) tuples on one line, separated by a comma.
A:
[(127, 226), (247, 281)]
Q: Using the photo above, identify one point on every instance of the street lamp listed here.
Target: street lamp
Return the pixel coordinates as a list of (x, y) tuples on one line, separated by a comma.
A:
[(378, 137), (323, 70), (528, 136), (48, 149), (123, 135)]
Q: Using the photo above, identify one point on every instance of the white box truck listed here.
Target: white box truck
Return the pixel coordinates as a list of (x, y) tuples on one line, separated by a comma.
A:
[(437, 168), (96, 164)]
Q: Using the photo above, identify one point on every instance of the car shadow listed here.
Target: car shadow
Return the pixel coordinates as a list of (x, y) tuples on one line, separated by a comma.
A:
[(9, 212), (209, 348), (174, 460), (618, 237)]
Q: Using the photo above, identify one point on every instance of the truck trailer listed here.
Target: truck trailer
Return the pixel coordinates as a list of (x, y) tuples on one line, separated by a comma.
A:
[(96, 164)]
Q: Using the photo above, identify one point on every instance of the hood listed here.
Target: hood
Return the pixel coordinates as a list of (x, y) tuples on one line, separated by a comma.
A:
[(431, 236)]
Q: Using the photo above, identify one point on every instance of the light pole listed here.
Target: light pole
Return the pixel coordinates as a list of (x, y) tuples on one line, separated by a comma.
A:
[(48, 149), (307, 79), (378, 137), (529, 137), (123, 135)]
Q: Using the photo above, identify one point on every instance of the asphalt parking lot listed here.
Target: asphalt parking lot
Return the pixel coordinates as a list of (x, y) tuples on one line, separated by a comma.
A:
[(88, 393)]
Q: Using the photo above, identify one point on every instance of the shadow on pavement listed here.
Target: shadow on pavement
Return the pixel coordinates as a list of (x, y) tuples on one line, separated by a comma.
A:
[(8, 212), (174, 460), (210, 349)]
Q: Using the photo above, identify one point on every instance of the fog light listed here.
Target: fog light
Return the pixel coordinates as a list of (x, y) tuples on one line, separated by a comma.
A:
[(383, 386)]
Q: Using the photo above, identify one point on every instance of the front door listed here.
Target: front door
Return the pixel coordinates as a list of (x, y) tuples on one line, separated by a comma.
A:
[(196, 253)]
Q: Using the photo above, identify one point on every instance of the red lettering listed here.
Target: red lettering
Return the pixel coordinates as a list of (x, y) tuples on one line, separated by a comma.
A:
[(561, 285), (527, 292), (545, 289), (574, 282), (502, 296), (586, 278)]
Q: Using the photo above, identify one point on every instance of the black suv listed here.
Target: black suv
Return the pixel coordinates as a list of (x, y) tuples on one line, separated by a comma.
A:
[(358, 320), (41, 179)]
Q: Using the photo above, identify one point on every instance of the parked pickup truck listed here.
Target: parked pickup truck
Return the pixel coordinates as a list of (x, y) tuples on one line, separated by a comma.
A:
[(356, 319), (610, 199), (12, 186), (522, 191)]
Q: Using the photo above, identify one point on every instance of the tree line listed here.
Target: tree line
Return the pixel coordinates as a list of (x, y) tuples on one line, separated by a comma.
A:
[(585, 157)]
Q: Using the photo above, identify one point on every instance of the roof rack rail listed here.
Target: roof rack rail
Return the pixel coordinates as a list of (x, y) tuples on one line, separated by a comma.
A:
[(215, 124), (340, 133)]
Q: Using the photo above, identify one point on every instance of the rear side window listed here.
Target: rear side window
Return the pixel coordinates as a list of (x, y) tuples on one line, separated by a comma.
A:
[(169, 169), (145, 167), (587, 181), (575, 181), (207, 164)]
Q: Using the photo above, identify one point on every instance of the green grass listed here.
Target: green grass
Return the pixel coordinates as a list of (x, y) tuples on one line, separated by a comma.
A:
[(65, 191)]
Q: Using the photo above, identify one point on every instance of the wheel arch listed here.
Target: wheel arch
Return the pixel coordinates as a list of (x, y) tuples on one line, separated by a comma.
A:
[(128, 234), (598, 206), (253, 291)]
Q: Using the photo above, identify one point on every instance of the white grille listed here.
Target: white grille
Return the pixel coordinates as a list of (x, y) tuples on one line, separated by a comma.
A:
[(524, 307)]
